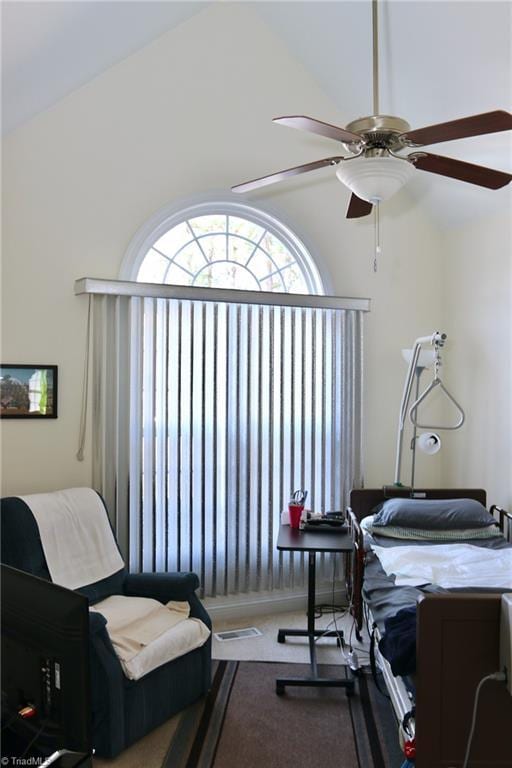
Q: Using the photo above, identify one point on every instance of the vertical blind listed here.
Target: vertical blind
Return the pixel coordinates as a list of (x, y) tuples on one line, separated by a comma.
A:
[(208, 413)]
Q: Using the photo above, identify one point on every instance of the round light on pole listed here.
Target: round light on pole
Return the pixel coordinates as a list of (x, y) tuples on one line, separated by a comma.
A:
[(429, 443)]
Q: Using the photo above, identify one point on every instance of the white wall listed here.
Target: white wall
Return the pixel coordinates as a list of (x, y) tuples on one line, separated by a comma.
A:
[(187, 114), (477, 287)]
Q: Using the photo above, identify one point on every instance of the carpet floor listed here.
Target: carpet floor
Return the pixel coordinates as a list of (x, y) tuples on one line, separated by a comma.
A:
[(242, 722), (296, 649)]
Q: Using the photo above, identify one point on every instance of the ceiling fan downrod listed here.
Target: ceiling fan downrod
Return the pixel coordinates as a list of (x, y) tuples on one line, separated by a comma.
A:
[(375, 27)]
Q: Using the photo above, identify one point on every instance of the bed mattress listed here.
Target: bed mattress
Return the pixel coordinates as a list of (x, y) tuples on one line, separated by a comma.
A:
[(385, 598)]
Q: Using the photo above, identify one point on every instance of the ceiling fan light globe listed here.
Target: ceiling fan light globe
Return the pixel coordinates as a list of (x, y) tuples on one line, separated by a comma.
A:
[(375, 179)]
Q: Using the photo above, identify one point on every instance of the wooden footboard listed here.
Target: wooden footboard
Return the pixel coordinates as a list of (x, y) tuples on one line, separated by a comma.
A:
[(457, 645)]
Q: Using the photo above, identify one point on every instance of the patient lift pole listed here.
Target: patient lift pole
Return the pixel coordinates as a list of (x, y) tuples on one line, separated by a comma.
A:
[(437, 340)]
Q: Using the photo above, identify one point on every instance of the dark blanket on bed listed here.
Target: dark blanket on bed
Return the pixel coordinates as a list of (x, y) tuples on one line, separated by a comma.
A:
[(398, 644)]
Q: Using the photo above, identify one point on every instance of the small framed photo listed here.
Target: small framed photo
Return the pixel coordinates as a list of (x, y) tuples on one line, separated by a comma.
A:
[(28, 391)]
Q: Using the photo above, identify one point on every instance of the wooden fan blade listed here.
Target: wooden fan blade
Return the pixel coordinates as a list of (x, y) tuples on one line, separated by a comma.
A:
[(489, 122), (304, 123), (357, 207), (456, 169), (263, 181)]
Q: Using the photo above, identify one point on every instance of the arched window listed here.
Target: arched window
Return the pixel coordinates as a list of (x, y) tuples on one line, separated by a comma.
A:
[(233, 399), (225, 245)]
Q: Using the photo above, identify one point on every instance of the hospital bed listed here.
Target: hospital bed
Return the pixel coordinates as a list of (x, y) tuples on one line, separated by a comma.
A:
[(457, 642)]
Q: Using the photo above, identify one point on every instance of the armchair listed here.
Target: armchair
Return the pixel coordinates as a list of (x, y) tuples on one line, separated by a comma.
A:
[(123, 710)]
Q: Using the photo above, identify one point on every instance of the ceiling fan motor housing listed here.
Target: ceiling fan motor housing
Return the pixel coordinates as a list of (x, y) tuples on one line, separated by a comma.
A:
[(377, 175), (379, 131)]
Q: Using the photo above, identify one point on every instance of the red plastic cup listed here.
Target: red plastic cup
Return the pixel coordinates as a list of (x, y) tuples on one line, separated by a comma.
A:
[(295, 511)]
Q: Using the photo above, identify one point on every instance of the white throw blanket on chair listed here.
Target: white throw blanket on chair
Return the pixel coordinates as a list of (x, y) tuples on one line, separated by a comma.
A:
[(77, 540), (146, 634)]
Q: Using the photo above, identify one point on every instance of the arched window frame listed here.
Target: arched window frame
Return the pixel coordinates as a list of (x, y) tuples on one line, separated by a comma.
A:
[(169, 216), (227, 401)]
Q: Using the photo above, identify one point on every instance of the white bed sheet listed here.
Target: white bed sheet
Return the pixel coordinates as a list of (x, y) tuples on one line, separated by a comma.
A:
[(448, 565)]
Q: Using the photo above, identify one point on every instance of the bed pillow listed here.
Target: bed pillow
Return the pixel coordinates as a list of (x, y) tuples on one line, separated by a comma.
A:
[(432, 514), (422, 534)]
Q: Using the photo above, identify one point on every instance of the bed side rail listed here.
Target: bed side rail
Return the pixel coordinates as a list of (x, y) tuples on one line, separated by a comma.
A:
[(355, 571), (504, 521)]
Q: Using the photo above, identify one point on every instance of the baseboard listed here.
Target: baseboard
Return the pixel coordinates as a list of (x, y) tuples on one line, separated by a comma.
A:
[(259, 603)]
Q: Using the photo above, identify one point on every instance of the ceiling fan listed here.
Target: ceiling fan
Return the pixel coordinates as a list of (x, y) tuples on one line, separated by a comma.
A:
[(374, 170)]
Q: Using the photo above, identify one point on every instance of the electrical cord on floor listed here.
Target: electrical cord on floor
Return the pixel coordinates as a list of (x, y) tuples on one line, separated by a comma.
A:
[(342, 610), (351, 633), (360, 650), (332, 608), (496, 676), (324, 608), (350, 658)]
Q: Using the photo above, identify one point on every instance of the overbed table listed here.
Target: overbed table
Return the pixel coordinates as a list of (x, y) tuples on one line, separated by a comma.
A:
[(313, 542)]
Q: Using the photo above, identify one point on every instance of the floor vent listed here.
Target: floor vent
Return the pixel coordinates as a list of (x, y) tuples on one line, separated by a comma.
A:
[(237, 634)]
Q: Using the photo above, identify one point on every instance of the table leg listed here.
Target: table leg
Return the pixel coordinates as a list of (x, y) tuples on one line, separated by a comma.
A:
[(311, 633)]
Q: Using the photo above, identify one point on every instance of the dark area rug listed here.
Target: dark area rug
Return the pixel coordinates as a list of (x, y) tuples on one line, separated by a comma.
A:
[(242, 723)]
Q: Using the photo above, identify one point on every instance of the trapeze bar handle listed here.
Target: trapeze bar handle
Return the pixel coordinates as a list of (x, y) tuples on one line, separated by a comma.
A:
[(414, 408)]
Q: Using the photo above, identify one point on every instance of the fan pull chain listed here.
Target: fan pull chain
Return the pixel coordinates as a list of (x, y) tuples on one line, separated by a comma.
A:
[(378, 249)]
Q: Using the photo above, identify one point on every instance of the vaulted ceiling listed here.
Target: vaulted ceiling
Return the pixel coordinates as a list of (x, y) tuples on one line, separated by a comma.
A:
[(439, 60)]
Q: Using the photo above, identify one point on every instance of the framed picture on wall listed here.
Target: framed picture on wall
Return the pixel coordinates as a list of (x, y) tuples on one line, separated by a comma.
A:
[(28, 391)]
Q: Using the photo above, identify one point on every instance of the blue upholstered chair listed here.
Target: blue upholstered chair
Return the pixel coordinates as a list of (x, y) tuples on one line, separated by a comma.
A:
[(123, 710)]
